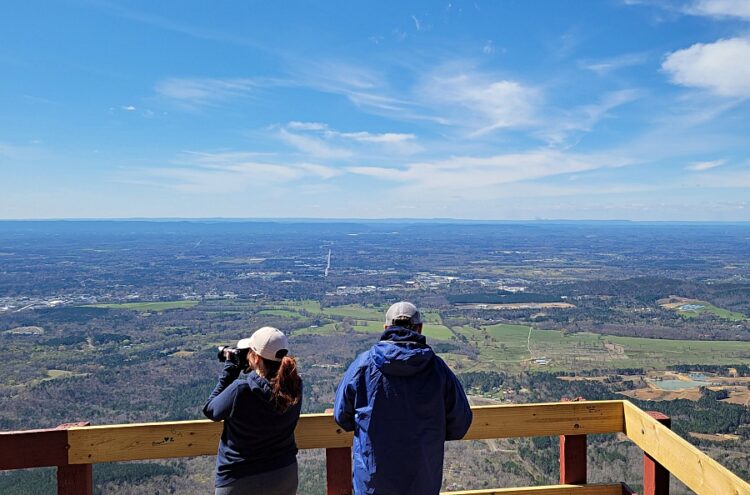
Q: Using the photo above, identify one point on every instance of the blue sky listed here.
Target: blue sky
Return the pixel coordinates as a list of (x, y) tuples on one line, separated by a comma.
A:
[(607, 109)]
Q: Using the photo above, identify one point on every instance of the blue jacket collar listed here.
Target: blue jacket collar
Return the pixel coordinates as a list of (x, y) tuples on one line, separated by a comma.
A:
[(400, 334)]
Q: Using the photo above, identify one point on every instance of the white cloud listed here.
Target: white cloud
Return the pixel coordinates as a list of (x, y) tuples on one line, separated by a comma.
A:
[(203, 91), (417, 24), (721, 67), (128, 108), (368, 137), (701, 166), (605, 66), (232, 172), (365, 88), (307, 126), (468, 175), (318, 135), (583, 119), (488, 48), (492, 103), (721, 8), (313, 146)]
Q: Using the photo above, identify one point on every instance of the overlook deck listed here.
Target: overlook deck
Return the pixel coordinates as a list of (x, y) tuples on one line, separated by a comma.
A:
[(73, 448)]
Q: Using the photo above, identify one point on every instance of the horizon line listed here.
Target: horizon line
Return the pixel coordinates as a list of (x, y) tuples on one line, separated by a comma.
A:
[(359, 220)]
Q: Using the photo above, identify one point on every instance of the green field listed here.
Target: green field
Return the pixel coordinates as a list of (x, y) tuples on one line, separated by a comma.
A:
[(710, 308), (280, 312), (146, 306), (507, 346), (440, 332), (355, 312), (321, 330)]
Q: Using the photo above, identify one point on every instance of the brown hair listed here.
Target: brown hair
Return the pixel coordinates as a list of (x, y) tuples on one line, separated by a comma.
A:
[(285, 381)]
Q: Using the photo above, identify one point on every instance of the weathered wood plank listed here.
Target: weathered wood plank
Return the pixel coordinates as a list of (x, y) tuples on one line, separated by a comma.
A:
[(699, 472), (190, 438), (94, 444), (320, 431), (110, 443), (594, 489), (550, 419)]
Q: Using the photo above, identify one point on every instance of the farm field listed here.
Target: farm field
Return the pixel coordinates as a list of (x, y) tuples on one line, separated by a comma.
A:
[(147, 306), (510, 347), (691, 308)]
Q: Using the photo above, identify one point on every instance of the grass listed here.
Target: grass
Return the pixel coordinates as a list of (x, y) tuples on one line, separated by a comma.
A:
[(355, 311), (321, 330), (710, 308), (146, 306), (506, 346), (440, 332), (368, 326), (280, 312)]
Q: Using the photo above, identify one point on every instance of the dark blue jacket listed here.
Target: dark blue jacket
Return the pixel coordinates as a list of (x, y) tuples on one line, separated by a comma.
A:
[(257, 438), (403, 403)]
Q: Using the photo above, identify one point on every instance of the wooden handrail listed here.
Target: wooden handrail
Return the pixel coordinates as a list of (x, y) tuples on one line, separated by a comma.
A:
[(699, 472), (130, 442), (594, 489), (93, 444)]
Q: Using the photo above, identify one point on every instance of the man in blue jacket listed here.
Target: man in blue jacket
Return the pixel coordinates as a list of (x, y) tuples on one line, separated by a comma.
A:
[(402, 402)]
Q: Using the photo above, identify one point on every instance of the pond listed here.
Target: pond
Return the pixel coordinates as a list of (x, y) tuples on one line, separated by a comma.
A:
[(679, 384)]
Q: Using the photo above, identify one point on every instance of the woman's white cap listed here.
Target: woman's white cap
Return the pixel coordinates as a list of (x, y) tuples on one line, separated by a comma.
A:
[(268, 342)]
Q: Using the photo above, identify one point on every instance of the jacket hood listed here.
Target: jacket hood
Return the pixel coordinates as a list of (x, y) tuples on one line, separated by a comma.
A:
[(401, 352), (259, 386)]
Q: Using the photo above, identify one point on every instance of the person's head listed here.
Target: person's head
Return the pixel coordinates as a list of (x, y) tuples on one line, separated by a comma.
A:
[(267, 354), (405, 315)]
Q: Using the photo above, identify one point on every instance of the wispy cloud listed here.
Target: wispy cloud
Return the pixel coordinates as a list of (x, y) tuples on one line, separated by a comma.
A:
[(556, 129), (417, 24), (226, 172), (479, 100), (721, 67), (318, 139), (195, 92), (720, 8), (608, 65), (313, 146), (701, 166), (467, 175)]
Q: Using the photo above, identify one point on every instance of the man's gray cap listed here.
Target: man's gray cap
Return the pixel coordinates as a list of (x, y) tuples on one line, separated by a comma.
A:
[(403, 311)]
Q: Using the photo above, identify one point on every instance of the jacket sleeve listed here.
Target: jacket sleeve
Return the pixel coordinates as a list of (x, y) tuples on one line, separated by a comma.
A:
[(221, 401), (458, 413), (343, 406)]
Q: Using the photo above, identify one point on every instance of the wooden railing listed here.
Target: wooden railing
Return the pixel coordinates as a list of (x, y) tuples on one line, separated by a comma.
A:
[(73, 448)]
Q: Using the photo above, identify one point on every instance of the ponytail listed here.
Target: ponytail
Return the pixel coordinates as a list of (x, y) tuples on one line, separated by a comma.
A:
[(285, 383)]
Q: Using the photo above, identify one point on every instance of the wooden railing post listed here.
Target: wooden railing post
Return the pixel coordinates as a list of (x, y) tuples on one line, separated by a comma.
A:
[(572, 459), (339, 471), (74, 479), (655, 476)]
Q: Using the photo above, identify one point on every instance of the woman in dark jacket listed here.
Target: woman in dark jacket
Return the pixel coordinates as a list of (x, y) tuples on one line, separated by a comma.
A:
[(257, 452)]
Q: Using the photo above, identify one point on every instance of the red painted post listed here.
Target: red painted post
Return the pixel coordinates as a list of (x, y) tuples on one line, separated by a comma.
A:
[(74, 479), (572, 459), (655, 476), (339, 471)]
